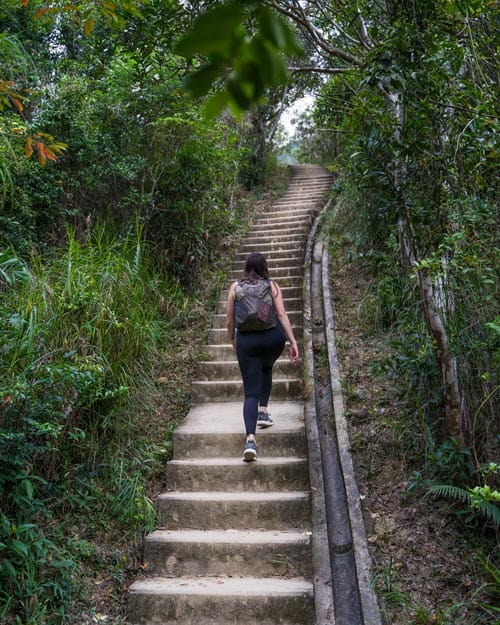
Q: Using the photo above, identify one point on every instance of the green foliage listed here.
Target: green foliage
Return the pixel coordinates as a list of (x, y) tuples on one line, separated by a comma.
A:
[(80, 342), (92, 312), (136, 147), (248, 63), (18, 135), (12, 270), (35, 576), (481, 499), (33, 207), (429, 168), (72, 338)]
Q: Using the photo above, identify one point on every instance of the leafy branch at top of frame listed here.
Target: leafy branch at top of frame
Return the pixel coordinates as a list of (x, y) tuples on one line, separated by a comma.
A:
[(244, 47)]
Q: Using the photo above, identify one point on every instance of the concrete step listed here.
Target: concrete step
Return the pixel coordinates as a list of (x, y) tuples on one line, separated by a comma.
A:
[(263, 239), (293, 254), (279, 228), (294, 257), (292, 247), (289, 210), (296, 208), (272, 442), (266, 243), (291, 226), (229, 370), (299, 223), (285, 261), (232, 474), (312, 187), (217, 430), (235, 510), (230, 390), (221, 601), (218, 352), (300, 197), (228, 552), (279, 273), (296, 205)]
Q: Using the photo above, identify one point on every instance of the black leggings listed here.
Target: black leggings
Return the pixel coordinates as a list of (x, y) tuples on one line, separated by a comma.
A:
[(257, 352)]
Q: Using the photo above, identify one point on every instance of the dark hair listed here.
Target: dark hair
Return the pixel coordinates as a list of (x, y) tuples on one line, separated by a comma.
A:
[(256, 267)]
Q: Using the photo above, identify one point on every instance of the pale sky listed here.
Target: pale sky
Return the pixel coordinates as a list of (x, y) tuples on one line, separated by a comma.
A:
[(297, 107)]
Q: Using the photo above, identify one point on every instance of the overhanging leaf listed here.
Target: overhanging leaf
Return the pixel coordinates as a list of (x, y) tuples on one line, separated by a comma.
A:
[(214, 105), (199, 83), (277, 32), (214, 32)]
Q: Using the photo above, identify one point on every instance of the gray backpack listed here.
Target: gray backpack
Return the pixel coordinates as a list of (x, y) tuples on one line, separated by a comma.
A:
[(253, 305)]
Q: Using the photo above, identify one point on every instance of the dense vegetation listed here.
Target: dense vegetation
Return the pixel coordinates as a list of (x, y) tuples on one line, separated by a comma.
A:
[(414, 141), (110, 234), (118, 199), (416, 149)]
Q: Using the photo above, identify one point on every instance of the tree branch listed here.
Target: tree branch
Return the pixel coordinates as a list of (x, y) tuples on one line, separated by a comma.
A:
[(320, 70), (365, 37), (298, 15), (336, 25)]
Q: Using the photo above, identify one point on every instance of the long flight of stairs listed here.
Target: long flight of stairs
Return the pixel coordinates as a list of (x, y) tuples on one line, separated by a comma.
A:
[(234, 543)]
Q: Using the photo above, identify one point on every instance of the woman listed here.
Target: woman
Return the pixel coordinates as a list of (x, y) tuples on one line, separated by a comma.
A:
[(257, 351)]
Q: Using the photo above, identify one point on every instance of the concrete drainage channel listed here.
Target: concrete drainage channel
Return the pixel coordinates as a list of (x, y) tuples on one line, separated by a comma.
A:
[(343, 563), (280, 540)]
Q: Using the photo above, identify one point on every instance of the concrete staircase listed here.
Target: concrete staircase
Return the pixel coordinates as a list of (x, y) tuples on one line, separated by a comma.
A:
[(234, 542)]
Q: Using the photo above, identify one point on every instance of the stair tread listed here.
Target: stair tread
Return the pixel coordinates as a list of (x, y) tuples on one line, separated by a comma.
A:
[(220, 382), (247, 586), (230, 536), (225, 417), (205, 495), (218, 461)]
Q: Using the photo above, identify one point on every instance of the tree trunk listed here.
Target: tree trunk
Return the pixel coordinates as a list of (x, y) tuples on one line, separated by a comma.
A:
[(434, 297), (456, 413)]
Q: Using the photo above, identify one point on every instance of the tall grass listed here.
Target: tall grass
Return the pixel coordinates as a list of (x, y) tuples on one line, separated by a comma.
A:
[(81, 337)]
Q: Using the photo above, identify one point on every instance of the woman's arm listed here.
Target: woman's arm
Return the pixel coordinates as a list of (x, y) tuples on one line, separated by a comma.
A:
[(279, 307), (230, 315)]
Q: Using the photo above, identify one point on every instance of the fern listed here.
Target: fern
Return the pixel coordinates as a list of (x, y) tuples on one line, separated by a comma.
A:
[(12, 269), (473, 499)]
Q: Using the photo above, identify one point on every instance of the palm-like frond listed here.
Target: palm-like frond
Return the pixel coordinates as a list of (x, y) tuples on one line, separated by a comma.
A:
[(486, 508)]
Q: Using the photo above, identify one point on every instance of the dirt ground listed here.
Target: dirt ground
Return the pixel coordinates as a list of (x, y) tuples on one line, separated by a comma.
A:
[(426, 570)]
